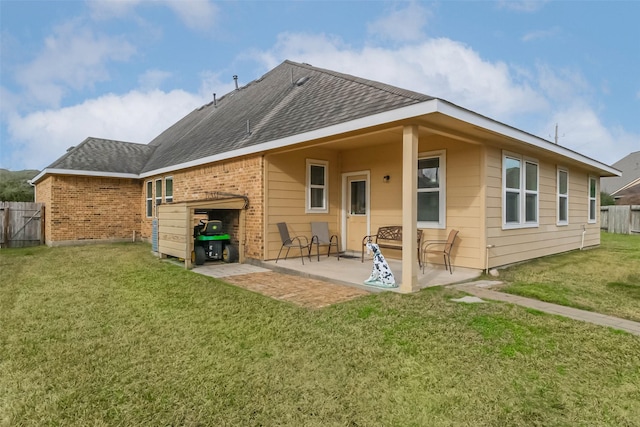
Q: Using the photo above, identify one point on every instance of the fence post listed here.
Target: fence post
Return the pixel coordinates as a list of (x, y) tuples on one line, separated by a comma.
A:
[(5, 226), (42, 225)]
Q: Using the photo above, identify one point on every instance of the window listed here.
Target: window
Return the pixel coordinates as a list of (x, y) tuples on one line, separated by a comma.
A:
[(358, 193), (431, 190), (593, 191), (520, 192), (158, 194), (168, 189), (563, 197), (149, 199), (317, 187)]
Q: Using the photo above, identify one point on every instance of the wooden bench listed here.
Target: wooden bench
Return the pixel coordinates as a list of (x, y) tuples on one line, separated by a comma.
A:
[(389, 237)]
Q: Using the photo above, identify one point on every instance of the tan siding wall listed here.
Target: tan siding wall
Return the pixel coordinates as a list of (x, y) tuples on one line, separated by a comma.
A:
[(548, 238), (464, 192), (285, 195), (88, 208), (386, 197), (173, 231), (240, 176), (464, 204)]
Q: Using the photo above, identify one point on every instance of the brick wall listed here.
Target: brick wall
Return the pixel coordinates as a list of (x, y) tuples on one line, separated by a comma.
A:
[(241, 176), (89, 208), (43, 195)]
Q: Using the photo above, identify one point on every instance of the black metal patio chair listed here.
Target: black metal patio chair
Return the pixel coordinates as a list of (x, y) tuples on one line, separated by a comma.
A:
[(292, 242), (320, 235)]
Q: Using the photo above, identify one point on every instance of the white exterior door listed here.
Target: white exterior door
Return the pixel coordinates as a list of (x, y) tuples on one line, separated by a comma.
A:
[(355, 210)]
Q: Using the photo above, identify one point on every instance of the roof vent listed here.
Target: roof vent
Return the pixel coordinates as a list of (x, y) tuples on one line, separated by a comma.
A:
[(235, 78), (70, 148), (302, 81)]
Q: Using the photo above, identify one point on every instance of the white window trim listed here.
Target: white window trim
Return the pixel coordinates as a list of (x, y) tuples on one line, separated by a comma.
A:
[(589, 199), (168, 199), (157, 200), (442, 200), (522, 191), (560, 196), (149, 198), (325, 201)]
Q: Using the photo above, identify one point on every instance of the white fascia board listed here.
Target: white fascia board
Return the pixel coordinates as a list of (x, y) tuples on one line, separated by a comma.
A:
[(83, 173), (475, 119), (415, 110)]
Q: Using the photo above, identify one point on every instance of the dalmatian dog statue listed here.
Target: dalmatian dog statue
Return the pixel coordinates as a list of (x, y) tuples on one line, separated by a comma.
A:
[(381, 274)]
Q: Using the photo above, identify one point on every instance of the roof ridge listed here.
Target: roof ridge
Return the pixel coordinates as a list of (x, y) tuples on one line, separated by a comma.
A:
[(95, 138), (285, 101), (407, 93)]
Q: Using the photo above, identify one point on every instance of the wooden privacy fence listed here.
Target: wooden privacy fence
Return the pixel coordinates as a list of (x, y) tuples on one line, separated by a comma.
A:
[(620, 219), (21, 224)]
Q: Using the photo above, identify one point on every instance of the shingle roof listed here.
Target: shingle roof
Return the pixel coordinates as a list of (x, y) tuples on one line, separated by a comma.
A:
[(290, 99), (105, 155), (630, 168)]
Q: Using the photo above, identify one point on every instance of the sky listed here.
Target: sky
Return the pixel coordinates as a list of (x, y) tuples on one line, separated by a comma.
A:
[(129, 69)]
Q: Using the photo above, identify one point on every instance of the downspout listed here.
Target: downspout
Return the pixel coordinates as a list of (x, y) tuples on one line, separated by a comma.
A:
[(486, 264), (34, 190), (584, 230)]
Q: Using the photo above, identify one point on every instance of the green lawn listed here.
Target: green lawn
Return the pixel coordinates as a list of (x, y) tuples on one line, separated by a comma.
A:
[(605, 279), (110, 335)]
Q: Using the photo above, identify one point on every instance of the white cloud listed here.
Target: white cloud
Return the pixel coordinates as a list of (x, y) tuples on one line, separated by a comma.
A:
[(401, 25), (153, 79), (43, 136), (540, 34), (9, 101), (522, 5), (453, 71), (439, 67), (107, 9), (562, 84), (580, 129), (198, 15), (212, 83), (73, 57)]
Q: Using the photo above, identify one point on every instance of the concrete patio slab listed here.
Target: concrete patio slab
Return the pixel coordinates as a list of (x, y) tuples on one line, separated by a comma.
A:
[(221, 269), (352, 272)]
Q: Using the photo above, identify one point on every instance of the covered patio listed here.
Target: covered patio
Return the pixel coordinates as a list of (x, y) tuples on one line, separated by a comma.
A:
[(319, 284), (351, 271)]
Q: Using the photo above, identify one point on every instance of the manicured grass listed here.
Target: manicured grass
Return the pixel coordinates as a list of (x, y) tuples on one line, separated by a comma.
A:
[(110, 335), (605, 279)]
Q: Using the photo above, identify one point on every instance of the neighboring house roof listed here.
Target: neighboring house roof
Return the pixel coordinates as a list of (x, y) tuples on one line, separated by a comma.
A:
[(632, 188), (630, 168), (290, 104)]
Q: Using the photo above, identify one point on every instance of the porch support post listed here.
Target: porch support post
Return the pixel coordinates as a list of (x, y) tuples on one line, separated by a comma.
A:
[(242, 224), (409, 209)]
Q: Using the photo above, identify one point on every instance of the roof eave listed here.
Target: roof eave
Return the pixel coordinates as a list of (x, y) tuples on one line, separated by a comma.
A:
[(476, 119), (415, 110), (54, 171)]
